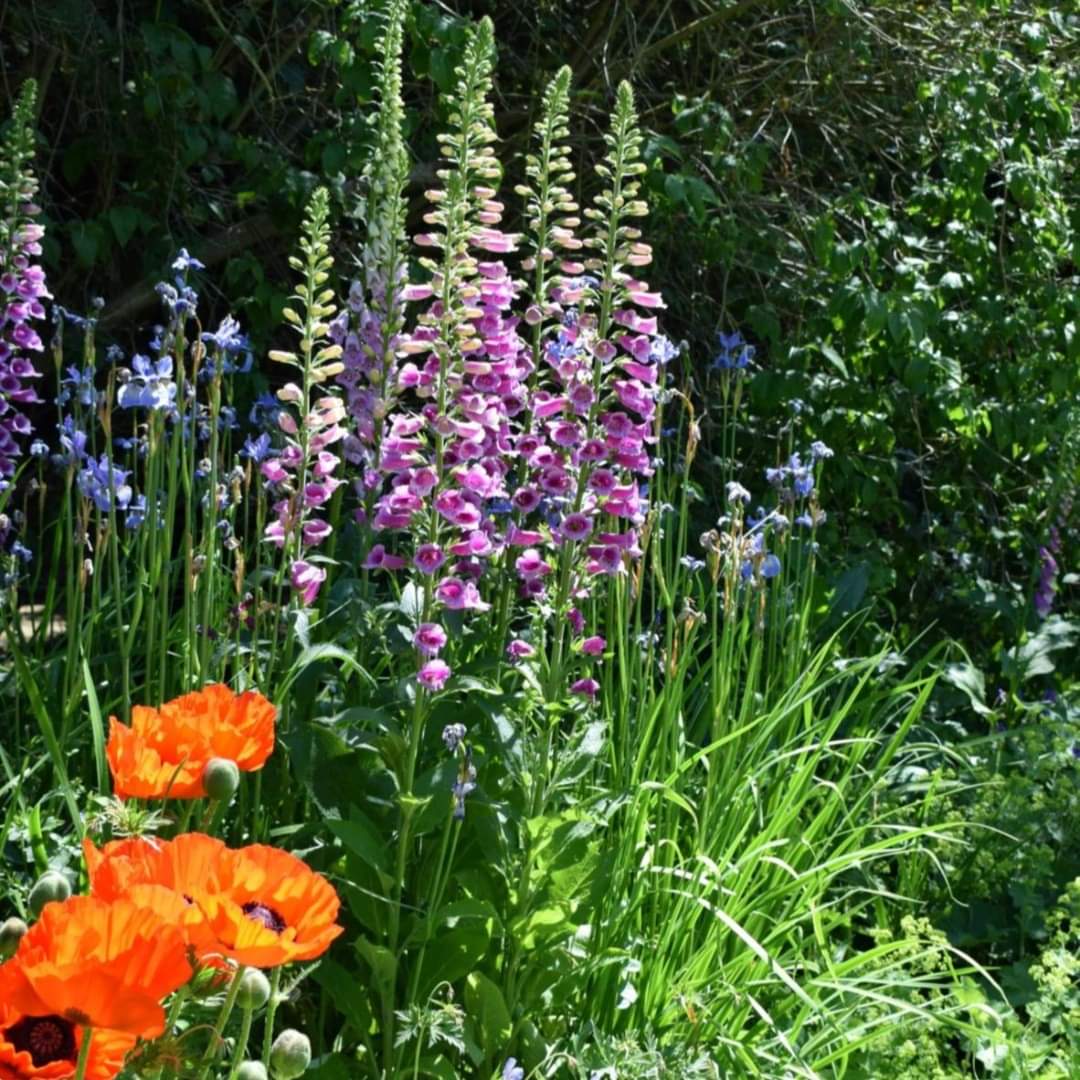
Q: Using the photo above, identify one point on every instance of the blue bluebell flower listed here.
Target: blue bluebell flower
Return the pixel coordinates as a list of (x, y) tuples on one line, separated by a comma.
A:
[(106, 484), (151, 385), (228, 336), (185, 262), (257, 448), (464, 786), (452, 736), (662, 350), (21, 551), (735, 354), (80, 385), (736, 492), (136, 514), (72, 443), (265, 411)]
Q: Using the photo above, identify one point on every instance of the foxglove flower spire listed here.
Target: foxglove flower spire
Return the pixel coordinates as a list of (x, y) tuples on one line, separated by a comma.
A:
[(302, 476), (22, 281)]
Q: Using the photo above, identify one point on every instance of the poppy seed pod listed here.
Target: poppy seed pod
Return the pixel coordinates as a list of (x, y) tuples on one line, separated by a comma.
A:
[(50, 886), (254, 991), (221, 778), (11, 933), (290, 1055), (251, 1070)]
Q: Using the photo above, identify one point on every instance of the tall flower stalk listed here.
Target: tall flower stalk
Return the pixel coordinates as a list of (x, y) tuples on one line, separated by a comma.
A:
[(22, 280), (302, 475), (370, 327)]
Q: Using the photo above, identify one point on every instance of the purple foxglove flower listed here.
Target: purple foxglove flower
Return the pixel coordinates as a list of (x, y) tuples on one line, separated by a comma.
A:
[(525, 500), (315, 532), (519, 650), (516, 537), (274, 471), (458, 595), (433, 675), (602, 481), (429, 639), (576, 620), (306, 580), (575, 527), (593, 646), (531, 564), (585, 688), (275, 534), (428, 558)]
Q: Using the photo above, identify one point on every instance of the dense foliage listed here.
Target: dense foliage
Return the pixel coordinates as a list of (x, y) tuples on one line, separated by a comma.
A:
[(664, 679)]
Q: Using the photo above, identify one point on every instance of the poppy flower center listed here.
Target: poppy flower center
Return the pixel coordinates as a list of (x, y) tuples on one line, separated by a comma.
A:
[(260, 913), (45, 1038)]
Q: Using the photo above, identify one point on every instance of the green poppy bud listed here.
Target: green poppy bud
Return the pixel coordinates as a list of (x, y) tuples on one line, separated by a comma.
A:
[(254, 991), (251, 1070), (221, 778), (50, 886), (290, 1055), (11, 933)]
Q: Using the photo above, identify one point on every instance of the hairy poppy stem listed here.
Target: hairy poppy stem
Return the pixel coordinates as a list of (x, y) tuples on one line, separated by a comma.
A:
[(241, 1043), (84, 1054), (219, 1027), (271, 1012)]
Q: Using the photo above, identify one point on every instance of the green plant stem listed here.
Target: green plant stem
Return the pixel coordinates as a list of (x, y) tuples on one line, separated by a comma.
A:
[(271, 1014), (219, 1027), (241, 1042), (84, 1054)]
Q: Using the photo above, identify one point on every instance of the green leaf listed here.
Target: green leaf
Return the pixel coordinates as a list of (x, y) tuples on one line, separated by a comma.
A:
[(349, 995), (97, 729), (1035, 656), (485, 1004), (332, 1067), (456, 954), (361, 837), (381, 961), (833, 357), (969, 680), (124, 221)]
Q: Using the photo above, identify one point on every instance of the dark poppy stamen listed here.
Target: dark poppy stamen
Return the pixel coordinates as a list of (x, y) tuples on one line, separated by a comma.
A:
[(45, 1038), (265, 915)]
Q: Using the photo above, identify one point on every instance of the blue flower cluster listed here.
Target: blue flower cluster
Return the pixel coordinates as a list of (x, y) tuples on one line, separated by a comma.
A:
[(735, 353)]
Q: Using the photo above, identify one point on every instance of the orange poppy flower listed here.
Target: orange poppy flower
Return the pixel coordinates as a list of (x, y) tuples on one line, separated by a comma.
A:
[(46, 1048), (97, 964), (184, 864), (270, 908), (256, 905), (164, 752), (162, 874)]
